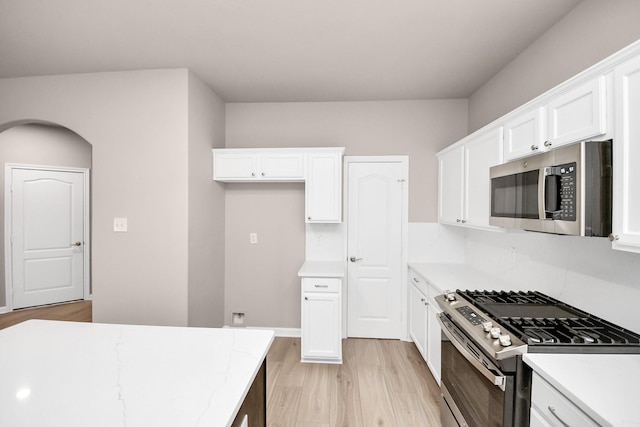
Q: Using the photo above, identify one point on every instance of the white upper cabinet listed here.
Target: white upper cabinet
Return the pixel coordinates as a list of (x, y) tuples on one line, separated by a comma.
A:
[(481, 152), (626, 157), (323, 193), (525, 134), (266, 165), (319, 167), (451, 185), (569, 117), (464, 183), (577, 114)]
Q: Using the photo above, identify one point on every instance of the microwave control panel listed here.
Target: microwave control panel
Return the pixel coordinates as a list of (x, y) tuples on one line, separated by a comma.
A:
[(567, 192)]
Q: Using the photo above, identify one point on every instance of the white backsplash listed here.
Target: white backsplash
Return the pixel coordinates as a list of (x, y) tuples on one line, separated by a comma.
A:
[(432, 242), (581, 271), (325, 242)]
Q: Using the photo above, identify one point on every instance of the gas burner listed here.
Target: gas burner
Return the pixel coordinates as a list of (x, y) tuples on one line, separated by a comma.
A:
[(547, 324)]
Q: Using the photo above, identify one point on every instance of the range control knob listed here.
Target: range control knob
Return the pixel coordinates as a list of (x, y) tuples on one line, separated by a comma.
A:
[(451, 296), (487, 326), (495, 333), (505, 340)]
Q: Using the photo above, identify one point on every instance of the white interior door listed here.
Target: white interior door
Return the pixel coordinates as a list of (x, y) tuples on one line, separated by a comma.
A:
[(47, 236), (374, 249)]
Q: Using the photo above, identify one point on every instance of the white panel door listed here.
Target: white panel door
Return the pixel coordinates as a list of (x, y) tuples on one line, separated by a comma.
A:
[(374, 249), (47, 236)]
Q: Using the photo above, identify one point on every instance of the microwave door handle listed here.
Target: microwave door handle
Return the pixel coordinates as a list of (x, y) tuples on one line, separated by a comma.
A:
[(542, 196)]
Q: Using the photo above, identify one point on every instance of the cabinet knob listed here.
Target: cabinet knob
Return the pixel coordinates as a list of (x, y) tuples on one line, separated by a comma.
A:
[(547, 143), (262, 174), (253, 174), (457, 219), (306, 298), (534, 147), (464, 221), (614, 237)]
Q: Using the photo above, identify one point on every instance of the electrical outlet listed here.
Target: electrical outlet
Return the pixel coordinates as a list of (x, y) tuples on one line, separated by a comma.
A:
[(120, 225), (253, 238)]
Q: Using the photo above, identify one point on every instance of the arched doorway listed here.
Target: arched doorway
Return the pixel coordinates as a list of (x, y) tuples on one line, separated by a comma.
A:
[(48, 147)]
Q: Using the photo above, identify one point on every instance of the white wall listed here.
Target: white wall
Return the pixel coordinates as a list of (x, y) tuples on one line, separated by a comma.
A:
[(590, 32), (261, 279), (581, 271), (137, 125), (38, 145)]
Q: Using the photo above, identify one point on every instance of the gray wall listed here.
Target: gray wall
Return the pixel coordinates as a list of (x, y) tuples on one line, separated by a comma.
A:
[(206, 207), (137, 125), (589, 33), (261, 279), (38, 145)]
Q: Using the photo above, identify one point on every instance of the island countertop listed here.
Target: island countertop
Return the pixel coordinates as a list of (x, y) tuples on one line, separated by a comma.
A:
[(79, 374)]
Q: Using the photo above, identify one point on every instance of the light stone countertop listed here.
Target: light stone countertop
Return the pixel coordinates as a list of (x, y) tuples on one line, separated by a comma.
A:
[(604, 386), (322, 269), (457, 276), (106, 375)]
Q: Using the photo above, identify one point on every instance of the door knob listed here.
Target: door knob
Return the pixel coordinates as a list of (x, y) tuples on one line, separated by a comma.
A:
[(76, 244), (354, 259)]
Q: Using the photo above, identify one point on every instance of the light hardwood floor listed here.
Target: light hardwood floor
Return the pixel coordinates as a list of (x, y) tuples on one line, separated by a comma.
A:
[(75, 311), (380, 383)]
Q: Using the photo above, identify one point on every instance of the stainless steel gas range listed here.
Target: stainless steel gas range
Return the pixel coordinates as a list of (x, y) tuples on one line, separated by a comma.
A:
[(484, 335)]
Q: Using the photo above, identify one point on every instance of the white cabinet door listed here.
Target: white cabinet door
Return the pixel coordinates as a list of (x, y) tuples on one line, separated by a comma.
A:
[(234, 165), (525, 134), (418, 319), (578, 114), (287, 166), (323, 192), (626, 157), (480, 154), (451, 186), (321, 320), (434, 335)]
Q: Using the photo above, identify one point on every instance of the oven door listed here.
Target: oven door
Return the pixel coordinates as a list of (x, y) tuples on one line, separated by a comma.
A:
[(473, 387)]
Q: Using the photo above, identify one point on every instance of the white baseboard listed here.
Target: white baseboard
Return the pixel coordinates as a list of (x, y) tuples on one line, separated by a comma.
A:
[(3, 310)]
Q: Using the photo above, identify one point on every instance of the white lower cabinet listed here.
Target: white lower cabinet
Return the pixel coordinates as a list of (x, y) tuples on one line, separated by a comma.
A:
[(321, 320), (424, 328), (549, 407)]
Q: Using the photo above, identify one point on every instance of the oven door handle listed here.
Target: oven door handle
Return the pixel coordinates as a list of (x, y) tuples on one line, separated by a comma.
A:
[(497, 380)]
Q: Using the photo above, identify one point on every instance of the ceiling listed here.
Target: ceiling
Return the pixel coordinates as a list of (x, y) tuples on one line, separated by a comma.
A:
[(281, 50)]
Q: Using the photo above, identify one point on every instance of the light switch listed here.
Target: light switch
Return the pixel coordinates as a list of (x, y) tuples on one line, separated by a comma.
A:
[(120, 225), (253, 238)]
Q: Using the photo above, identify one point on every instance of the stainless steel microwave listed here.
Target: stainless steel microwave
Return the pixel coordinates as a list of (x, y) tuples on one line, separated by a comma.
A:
[(567, 190)]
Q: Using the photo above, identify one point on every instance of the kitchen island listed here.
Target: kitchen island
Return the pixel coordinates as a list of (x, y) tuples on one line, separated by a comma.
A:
[(79, 374)]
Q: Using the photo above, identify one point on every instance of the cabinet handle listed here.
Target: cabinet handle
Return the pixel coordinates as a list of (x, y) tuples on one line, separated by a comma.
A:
[(464, 221), (306, 298), (553, 412), (415, 279), (321, 286), (309, 218), (534, 147), (547, 143), (458, 220), (614, 237)]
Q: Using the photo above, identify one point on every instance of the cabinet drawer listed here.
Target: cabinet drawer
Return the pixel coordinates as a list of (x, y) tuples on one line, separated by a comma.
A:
[(419, 282), (555, 407), (321, 284)]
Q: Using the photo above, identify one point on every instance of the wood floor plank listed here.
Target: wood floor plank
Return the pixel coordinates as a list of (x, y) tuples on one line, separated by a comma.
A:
[(375, 399), (282, 406), (292, 371), (80, 311), (315, 402), (345, 407)]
